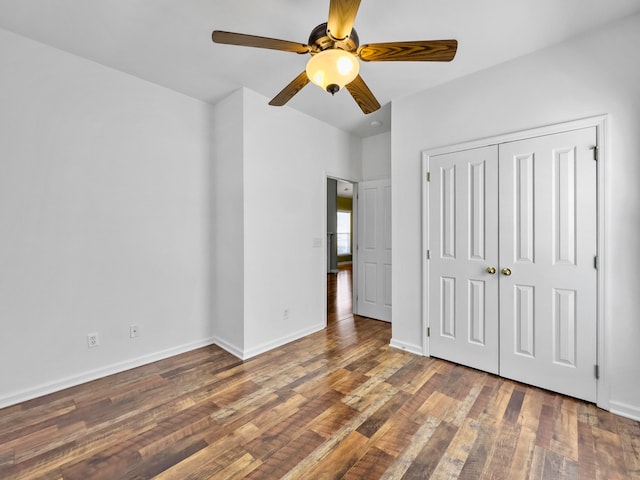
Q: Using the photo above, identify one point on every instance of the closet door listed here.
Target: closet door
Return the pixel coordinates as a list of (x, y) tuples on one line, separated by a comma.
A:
[(547, 276), (463, 243)]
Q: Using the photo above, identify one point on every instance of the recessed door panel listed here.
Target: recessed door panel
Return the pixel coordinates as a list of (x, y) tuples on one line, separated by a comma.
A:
[(448, 307), (477, 211), (477, 312), (370, 218), (564, 205), (387, 285), (370, 282), (564, 323), (524, 320), (524, 208), (448, 216), (386, 218)]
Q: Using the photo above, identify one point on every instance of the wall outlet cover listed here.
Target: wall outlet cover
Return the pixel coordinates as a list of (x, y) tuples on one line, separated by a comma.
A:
[(93, 340)]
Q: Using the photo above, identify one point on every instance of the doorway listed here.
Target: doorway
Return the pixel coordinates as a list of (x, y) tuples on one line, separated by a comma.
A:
[(340, 249)]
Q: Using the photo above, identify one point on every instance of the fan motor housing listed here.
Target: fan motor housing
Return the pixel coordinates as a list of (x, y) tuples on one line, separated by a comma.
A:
[(320, 40)]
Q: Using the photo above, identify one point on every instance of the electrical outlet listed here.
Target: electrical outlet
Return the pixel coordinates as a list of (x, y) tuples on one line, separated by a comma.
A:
[(285, 314), (134, 331), (93, 340)]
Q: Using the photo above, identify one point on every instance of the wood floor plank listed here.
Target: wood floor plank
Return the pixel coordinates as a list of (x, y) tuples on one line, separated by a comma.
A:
[(380, 417), (586, 450), (432, 453), (529, 417), (545, 426), (340, 459), (458, 415), (370, 466), (459, 449), (608, 450), (501, 453), (512, 413), (288, 457), (339, 403), (7, 457), (537, 464), (475, 463), (629, 432), (523, 454), (481, 402), (413, 445), (398, 434), (564, 440)]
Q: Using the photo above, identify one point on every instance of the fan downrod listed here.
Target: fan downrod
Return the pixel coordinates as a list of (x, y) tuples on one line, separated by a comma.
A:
[(320, 40)]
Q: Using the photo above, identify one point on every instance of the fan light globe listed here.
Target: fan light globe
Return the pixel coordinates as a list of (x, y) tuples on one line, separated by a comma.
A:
[(332, 69)]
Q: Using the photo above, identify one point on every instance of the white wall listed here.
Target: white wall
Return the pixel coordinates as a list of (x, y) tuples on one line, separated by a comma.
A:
[(376, 157), (286, 157), (103, 219), (227, 184), (591, 75)]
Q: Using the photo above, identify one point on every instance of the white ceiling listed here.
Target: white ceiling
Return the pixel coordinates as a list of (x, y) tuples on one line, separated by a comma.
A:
[(168, 42), (344, 189)]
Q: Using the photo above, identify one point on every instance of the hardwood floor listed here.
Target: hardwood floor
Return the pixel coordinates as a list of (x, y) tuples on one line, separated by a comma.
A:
[(336, 404), (339, 294)]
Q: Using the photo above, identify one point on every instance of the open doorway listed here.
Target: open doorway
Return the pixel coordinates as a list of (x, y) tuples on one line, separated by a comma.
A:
[(340, 249)]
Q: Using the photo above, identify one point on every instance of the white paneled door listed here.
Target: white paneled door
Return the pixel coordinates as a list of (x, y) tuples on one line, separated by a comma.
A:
[(528, 210), (547, 246), (374, 250), (463, 220)]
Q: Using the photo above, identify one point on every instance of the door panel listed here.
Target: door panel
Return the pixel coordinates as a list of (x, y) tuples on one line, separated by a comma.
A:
[(374, 251), (463, 239), (548, 241)]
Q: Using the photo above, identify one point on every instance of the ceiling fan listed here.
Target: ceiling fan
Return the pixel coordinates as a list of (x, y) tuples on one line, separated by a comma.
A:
[(335, 49)]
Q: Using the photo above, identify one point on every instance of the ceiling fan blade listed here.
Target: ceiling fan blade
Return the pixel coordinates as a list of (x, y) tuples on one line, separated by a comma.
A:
[(363, 96), (290, 90), (342, 15), (418, 51), (244, 40)]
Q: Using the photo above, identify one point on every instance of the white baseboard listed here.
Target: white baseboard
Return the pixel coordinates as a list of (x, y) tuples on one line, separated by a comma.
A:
[(407, 347), (624, 410), (265, 347), (72, 381), (232, 349)]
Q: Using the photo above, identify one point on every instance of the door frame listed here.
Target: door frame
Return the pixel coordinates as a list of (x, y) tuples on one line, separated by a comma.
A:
[(601, 123), (354, 254)]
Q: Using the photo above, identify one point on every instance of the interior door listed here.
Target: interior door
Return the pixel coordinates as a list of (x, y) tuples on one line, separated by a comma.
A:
[(547, 246), (374, 250), (463, 244)]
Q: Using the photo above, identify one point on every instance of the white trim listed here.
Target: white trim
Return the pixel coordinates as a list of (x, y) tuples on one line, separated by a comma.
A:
[(232, 349), (72, 381), (407, 347), (625, 410), (601, 123), (597, 121), (265, 347), (602, 138), (423, 254)]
